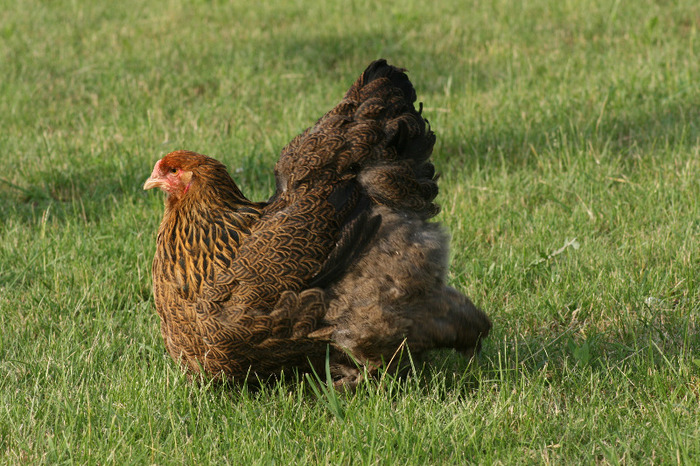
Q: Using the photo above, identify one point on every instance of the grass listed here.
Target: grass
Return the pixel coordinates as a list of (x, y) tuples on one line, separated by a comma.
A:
[(568, 141)]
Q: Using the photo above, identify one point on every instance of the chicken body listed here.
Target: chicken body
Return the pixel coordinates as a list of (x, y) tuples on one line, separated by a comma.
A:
[(340, 256)]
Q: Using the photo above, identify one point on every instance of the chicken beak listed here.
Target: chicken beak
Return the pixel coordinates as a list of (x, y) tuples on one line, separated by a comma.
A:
[(151, 183)]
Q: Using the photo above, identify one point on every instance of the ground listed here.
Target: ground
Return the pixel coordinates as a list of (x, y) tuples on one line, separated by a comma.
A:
[(568, 146)]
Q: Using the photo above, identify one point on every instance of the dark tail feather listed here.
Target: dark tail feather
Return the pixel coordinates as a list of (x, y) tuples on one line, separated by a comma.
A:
[(404, 178), (397, 76)]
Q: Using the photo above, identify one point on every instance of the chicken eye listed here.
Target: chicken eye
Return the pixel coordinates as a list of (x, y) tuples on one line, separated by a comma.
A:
[(174, 171)]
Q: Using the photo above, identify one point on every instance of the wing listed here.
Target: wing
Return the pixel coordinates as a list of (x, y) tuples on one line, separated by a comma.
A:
[(287, 247)]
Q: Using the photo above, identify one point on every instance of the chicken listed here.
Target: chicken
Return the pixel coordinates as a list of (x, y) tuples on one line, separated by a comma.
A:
[(341, 262)]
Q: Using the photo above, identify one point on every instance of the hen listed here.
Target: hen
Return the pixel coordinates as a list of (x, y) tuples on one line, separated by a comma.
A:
[(340, 257)]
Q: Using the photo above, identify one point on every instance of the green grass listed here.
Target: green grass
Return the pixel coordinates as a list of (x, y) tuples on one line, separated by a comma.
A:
[(569, 146)]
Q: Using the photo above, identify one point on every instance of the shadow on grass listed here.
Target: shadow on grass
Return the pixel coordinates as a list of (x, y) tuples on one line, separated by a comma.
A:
[(85, 194), (623, 135), (640, 346)]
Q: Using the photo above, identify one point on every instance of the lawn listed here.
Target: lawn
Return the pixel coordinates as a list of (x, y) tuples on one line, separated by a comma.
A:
[(569, 148)]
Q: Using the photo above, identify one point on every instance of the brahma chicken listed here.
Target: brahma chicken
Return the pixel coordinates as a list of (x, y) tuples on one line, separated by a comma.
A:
[(339, 267)]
